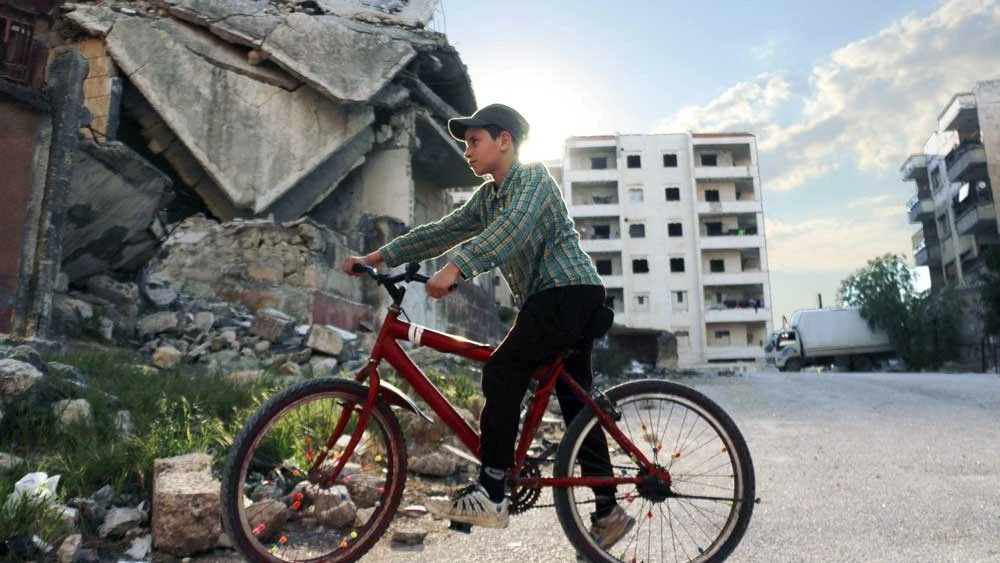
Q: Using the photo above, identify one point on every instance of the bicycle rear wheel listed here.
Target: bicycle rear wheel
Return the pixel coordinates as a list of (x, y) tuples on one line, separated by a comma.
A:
[(276, 510), (701, 514)]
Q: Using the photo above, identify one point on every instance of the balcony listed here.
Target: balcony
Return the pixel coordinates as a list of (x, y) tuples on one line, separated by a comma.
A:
[(730, 207), (592, 245), (960, 115), (591, 175), (595, 210), (966, 161), (978, 219), (725, 242), (965, 244), (745, 277), (737, 315), (924, 255), (613, 281), (915, 168), (919, 209), (719, 353), (722, 172)]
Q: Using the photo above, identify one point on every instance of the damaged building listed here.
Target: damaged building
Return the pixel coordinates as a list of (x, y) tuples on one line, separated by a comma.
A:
[(169, 137)]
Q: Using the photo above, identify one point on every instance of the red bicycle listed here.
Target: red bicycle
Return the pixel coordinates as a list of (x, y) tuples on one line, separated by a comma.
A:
[(317, 473)]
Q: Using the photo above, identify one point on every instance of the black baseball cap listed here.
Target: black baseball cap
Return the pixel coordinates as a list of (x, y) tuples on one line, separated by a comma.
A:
[(504, 117)]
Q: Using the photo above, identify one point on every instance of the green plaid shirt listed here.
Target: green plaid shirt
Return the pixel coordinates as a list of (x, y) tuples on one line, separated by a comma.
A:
[(523, 228)]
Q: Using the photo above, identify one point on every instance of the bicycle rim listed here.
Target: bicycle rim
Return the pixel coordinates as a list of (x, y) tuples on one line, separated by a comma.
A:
[(704, 511), (285, 513)]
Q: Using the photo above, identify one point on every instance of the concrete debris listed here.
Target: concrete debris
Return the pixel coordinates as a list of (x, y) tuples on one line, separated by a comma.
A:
[(113, 199), (186, 514)]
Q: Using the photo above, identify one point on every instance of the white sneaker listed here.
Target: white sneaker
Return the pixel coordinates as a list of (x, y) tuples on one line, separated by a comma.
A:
[(471, 505)]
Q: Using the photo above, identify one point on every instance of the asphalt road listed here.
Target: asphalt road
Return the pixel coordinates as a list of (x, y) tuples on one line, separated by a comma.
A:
[(887, 467)]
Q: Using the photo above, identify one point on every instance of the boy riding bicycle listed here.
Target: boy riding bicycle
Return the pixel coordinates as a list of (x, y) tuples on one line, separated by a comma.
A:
[(517, 222)]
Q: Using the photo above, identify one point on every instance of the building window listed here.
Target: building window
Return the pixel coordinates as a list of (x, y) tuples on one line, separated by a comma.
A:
[(675, 229), (673, 194), (717, 266), (670, 160), (711, 195), (603, 267), (642, 302), (713, 229), (638, 230), (598, 162), (679, 300), (633, 161), (635, 195), (15, 49), (602, 231), (676, 265), (722, 337), (709, 160), (640, 266)]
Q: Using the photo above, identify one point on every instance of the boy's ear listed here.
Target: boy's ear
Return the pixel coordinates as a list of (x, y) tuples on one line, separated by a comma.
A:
[(506, 140)]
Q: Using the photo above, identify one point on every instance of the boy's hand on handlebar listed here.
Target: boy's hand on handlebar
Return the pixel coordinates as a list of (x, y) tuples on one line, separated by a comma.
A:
[(373, 259), (445, 280), (348, 266)]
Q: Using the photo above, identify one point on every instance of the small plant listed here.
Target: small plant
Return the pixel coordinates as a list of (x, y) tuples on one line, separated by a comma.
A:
[(26, 516)]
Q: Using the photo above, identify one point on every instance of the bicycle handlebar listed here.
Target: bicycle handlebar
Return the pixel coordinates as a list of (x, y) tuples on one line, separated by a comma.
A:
[(410, 275)]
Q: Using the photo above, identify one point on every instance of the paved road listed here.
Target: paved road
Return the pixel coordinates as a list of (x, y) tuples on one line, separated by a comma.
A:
[(850, 467)]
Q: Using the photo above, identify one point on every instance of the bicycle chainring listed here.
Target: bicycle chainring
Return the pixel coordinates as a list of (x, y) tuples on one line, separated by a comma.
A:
[(524, 498)]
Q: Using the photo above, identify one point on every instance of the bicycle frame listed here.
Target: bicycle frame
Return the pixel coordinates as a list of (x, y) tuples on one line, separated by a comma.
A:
[(387, 348)]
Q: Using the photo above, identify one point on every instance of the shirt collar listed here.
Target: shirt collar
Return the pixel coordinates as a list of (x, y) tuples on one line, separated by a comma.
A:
[(507, 181)]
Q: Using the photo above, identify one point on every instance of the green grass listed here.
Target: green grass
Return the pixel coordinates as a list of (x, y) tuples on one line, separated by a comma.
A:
[(175, 412)]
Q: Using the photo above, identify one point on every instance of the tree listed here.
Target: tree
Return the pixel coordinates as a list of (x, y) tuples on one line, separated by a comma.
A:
[(990, 292), (923, 327)]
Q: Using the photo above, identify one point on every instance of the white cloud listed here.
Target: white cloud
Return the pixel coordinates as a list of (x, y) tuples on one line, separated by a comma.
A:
[(869, 105), (835, 245), (765, 51)]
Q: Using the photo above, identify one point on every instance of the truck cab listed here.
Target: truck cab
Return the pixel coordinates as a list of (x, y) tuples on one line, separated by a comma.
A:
[(781, 345)]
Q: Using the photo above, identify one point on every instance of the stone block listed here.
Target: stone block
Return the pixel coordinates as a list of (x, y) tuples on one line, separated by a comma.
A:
[(166, 357), (101, 66), (157, 323), (16, 377), (96, 87), (186, 516), (92, 48), (72, 411), (267, 271), (326, 339), (272, 325)]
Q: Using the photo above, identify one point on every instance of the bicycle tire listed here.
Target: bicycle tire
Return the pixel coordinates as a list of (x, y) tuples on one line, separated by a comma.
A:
[(739, 512), (266, 417)]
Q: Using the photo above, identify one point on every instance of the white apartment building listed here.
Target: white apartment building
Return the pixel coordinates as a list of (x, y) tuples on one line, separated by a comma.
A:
[(675, 225)]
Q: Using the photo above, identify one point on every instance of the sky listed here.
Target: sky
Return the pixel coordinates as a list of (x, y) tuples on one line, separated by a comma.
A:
[(838, 94)]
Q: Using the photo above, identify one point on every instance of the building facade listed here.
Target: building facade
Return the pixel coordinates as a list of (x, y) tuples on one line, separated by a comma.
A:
[(954, 199), (675, 225)]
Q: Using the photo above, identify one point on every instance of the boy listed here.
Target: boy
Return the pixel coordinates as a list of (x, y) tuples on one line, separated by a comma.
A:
[(519, 223)]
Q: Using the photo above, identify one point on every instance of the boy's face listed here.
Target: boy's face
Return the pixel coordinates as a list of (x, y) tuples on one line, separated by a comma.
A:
[(484, 153)]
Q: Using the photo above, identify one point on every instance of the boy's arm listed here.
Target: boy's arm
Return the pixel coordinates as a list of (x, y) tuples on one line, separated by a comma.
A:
[(505, 235), (433, 239)]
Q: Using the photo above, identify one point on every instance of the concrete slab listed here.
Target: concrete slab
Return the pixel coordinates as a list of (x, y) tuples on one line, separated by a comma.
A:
[(113, 199), (409, 13), (255, 140)]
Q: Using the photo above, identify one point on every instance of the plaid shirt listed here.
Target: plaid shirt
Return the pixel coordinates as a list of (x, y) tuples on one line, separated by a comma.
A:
[(522, 227)]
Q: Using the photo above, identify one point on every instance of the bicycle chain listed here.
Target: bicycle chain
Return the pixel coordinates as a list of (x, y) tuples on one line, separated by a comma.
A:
[(552, 505)]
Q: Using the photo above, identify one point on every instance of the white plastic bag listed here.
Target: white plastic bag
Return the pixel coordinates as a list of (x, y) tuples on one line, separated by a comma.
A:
[(38, 487)]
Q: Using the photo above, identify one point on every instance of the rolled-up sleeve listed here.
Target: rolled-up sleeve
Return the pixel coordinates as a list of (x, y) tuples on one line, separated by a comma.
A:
[(433, 239)]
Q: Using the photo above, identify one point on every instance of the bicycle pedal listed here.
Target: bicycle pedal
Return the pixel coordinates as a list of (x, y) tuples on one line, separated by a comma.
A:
[(463, 527)]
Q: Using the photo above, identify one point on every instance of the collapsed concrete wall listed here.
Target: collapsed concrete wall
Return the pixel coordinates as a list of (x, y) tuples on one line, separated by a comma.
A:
[(111, 209)]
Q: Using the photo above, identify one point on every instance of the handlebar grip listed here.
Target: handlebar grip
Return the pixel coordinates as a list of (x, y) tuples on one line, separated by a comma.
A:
[(362, 268)]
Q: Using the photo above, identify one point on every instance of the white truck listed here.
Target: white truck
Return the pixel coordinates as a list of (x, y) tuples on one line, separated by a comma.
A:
[(828, 336)]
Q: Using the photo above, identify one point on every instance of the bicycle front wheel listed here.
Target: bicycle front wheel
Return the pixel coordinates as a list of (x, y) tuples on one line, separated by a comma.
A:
[(279, 506), (699, 515)]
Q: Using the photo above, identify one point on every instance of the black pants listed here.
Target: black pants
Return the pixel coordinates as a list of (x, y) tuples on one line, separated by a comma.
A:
[(549, 323)]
